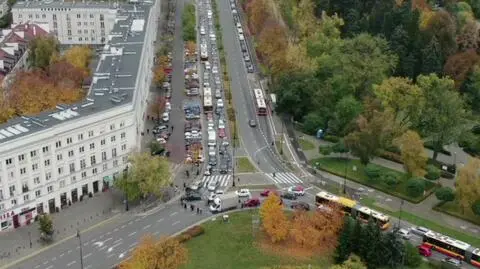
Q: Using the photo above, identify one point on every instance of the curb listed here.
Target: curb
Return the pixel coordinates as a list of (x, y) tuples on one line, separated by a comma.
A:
[(35, 253)]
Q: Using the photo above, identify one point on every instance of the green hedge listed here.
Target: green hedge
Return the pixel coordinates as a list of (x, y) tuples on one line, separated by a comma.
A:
[(189, 23)]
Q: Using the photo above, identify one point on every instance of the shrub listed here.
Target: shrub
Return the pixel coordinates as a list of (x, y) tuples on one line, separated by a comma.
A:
[(339, 147), (390, 178), (372, 171), (325, 150), (331, 138), (190, 233), (312, 122), (182, 238), (476, 207), (412, 257), (445, 194), (433, 173), (392, 156), (415, 187)]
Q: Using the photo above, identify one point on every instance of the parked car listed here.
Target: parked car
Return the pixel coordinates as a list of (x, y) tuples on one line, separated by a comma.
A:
[(425, 250), (159, 129), (168, 106), (219, 103), (405, 234), (288, 196), (221, 133), (297, 190), (419, 230), (195, 185), (165, 117), (267, 192), (253, 202), (300, 206), (218, 94), (191, 196), (252, 123), (243, 193), (452, 262), (213, 185), (250, 68)]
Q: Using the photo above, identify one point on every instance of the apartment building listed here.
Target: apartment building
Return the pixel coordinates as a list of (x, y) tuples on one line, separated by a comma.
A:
[(72, 22), (58, 157)]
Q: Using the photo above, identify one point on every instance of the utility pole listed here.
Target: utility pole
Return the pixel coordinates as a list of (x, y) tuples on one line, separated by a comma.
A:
[(400, 214), (125, 174), (345, 178), (81, 248), (30, 238), (233, 155)]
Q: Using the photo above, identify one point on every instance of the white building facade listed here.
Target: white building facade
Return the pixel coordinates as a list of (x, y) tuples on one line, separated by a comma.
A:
[(57, 158), (72, 23)]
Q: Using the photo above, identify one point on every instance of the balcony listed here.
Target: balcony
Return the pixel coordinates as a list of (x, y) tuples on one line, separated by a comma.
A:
[(25, 189)]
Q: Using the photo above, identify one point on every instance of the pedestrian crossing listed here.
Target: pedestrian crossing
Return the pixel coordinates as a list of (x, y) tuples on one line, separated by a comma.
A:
[(222, 179), (284, 178)]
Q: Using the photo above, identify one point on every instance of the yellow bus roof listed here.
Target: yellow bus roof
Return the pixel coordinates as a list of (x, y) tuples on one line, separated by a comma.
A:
[(347, 202)]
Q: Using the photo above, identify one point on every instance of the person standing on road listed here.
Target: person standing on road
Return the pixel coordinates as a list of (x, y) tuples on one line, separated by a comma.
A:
[(172, 128)]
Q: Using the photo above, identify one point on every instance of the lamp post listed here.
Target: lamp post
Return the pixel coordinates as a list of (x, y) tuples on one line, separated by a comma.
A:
[(81, 248), (400, 214), (30, 238), (125, 174), (345, 177), (233, 155)]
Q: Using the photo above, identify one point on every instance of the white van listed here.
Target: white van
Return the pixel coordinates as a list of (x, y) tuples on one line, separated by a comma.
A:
[(212, 138), (241, 37)]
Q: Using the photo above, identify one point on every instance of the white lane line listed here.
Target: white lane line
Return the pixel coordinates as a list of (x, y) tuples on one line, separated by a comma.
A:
[(88, 266), (123, 226), (85, 244), (143, 217), (54, 259), (160, 220), (45, 262), (69, 251), (115, 230), (108, 239), (175, 223), (61, 255), (102, 248), (117, 241), (87, 255), (36, 266), (71, 263), (147, 226), (156, 233), (137, 220), (102, 236), (133, 245), (130, 249), (132, 233), (130, 222), (173, 214), (49, 267), (110, 255), (78, 247), (109, 233)]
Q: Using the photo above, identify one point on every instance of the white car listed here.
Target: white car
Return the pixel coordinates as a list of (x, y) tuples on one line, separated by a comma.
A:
[(243, 193), (165, 117), (221, 124), (240, 30), (188, 135), (211, 151), (207, 66), (168, 106), (215, 69), (405, 234), (161, 140), (220, 103), (212, 196), (212, 185), (297, 190), (219, 192)]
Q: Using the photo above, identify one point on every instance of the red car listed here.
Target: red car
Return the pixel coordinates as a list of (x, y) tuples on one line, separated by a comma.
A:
[(267, 192), (253, 202), (425, 250), (221, 133)]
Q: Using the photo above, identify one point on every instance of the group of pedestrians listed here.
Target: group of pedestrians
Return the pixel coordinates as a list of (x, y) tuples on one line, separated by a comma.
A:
[(192, 207)]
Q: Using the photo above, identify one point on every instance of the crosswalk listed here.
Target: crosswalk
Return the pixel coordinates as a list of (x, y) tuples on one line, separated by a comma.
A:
[(284, 178), (222, 179)]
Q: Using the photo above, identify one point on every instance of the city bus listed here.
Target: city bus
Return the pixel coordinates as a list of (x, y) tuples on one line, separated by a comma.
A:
[(207, 100), (260, 102), (353, 208), (452, 247)]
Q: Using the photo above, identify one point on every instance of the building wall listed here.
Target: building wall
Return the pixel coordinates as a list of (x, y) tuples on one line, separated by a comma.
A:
[(72, 26)]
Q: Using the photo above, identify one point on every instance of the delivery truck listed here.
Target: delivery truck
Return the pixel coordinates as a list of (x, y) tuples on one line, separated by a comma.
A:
[(224, 202)]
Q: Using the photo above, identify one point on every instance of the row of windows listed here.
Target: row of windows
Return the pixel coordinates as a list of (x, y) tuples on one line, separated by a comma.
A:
[(79, 24), (44, 16), (85, 31)]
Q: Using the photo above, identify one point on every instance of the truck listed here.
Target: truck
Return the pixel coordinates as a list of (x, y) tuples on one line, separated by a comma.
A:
[(212, 138), (224, 202)]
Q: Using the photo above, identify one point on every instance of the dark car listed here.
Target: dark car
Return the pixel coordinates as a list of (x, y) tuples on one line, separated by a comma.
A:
[(252, 202), (191, 196), (252, 123), (288, 196), (250, 68), (300, 206)]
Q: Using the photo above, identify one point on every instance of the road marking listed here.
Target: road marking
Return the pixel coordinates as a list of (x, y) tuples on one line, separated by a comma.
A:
[(156, 233), (137, 220), (102, 248), (110, 255), (132, 233), (85, 244), (88, 255), (115, 230), (130, 222), (109, 233), (45, 262), (71, 263), (123, 226), (54, 259), (143, 217), (108, 239), (132, 245), (78, 247), (61, 255), (147, 226), (175, 223), (69, 251), (121, 255), (101, 236), (36, 266), (49, 267), (117, 241), (173, 214), (160, 220), (88, 266)]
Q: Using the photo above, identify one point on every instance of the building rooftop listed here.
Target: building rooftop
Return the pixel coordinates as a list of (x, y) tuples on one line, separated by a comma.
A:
[(113, 80), (62, 4)]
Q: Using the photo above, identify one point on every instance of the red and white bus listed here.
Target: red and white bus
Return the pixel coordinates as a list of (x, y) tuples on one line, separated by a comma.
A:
[(260, 102)]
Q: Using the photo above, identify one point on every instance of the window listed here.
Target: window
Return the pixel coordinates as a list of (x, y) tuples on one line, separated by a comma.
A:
[(21, 157), (59, 157), (114, 152), (79, 32), (92, 145), (102, 24), (47, 162), (122, 123), (92, 23), (70, 153), (101, 17), (36, 180), (23, 170), (73, 179), (1, 195), (30, 16), (91, 16), (123, 135), (102, 142), (62, 184), (90, 133), (45, 149), (34, 166), (54, 16), (58, 144), (104, 156), (112, 127), (33, 153), (94, 171), (124, 147), (37, 193), (105, 167), (85, 31), (14, 201), (37, 16), (60, 170), (19, 16), (50, 189), (115, 163), (26, 198), (69, 140), (125, 159), (12, 190), (79, 39), (9, 161), (92, 160), (72, 167), (78, 16), (48, 176), (85, 23), (84, 174), (82, 164), (81, 149), (80, 137), (112, 139)]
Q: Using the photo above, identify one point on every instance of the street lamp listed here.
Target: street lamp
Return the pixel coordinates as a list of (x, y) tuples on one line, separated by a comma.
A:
[(233, 155), (81, 248), (30, 238), (345, 178), (400, 214), (125, 174)]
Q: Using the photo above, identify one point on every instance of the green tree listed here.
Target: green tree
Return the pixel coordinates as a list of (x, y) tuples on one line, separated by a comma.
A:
[(412, 257), (344, 247), (346, 110), (443, 27), (156, 147), (476, 207), (393, 250), (468, 184), (45, 226), (357, 237), (433, 173), (445, 194), (415, 187), (353, 262), (42, 50), (471, 89), (444, 115), (432, 58), (146, 175), (372, 245), (312, 122), (413, 154)]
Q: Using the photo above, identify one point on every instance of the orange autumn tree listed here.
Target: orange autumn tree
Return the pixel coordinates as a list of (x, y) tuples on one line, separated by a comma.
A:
[(165, 253), (302, 231), (274, 220), (79, 57)]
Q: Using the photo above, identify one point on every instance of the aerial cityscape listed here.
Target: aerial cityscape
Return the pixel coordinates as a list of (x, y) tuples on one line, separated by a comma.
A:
[(259, 134)]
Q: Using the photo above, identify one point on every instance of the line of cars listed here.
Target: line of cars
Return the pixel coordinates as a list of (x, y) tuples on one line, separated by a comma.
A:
[(241, 37)]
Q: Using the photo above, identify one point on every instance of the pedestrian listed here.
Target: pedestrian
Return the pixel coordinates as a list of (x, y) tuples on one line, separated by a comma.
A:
[(198, 210), (184, 185), (185, 206), (148, 117), (148, 131), (192, 207), (201, 210), (172, 128)]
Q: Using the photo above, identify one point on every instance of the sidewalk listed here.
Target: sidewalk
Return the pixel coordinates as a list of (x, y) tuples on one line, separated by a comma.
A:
[(80, 215)]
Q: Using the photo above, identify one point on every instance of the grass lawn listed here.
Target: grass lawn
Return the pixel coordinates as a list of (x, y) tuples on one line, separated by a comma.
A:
[(337, 166), (452, 208), (233, 245), (305, 144), (244, 165)]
